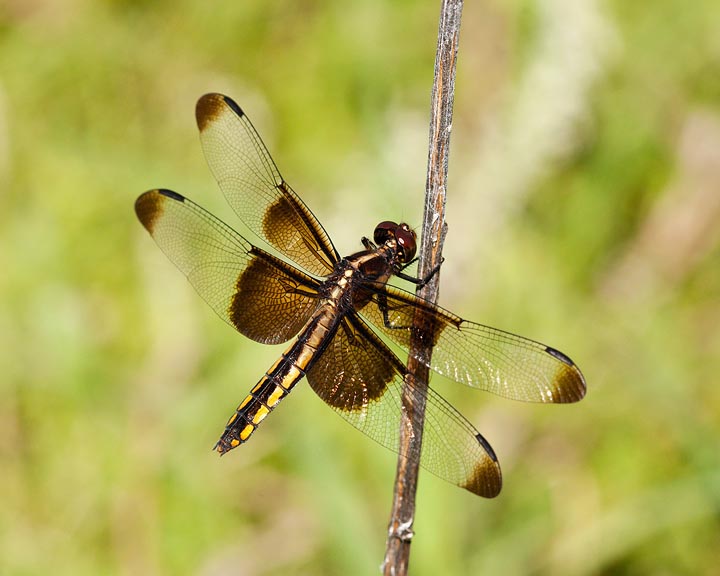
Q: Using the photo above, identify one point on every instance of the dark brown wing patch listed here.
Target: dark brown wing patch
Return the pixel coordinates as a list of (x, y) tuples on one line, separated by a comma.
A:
[(254, 188), (362, 380), (354, 369), (268, 306), (208, 108), (149, 207), (477, 355), (484, 480), (258, 294)]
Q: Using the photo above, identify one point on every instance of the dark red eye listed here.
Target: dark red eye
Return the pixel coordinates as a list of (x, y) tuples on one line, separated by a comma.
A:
[(384, 231), (405, 236), (407, 242)]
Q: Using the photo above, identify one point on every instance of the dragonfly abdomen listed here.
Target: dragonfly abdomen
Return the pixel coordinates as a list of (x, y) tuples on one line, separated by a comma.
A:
[(278, 381)]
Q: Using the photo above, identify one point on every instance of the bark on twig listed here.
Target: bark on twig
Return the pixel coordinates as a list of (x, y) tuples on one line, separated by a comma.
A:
[(400, 532)]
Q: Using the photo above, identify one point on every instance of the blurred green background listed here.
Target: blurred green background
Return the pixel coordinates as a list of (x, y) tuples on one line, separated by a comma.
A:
[(584, 211)]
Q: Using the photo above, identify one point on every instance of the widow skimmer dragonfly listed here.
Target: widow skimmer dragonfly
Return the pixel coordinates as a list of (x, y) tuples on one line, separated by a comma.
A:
[(336, 309)]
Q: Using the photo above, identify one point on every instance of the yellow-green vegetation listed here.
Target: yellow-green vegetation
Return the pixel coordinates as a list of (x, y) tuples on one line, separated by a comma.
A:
[(584, 211)]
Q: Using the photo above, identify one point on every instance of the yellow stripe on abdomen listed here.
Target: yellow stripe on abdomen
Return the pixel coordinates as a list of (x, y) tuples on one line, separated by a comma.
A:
[(278, 380), (263, 398)]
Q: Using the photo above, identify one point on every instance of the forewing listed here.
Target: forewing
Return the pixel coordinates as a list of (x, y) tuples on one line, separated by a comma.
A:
[(473, 354), (255, 189), (361, 379), (259, 295)]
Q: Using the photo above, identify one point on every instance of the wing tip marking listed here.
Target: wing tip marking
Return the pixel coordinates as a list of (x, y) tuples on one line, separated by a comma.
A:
[(486, 478), (486, 446), (569, 383), (149, 206), (170, 194), (148, 209), (233, 106), (559, 355), (211, 106)]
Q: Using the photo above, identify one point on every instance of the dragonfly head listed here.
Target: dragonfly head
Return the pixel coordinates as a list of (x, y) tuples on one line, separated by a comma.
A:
[(402, 234)]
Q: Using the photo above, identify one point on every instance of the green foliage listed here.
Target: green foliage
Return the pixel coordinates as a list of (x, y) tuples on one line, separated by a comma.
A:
[(582, 211)]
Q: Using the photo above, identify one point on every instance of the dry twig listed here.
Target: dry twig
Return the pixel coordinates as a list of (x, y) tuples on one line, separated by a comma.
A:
[(400, 532)]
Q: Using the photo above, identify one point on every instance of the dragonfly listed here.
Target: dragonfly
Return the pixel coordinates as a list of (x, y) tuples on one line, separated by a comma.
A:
[(339, 314)]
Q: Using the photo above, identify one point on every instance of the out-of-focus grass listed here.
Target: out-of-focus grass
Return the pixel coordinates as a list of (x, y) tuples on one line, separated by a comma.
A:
[(583, 211)]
